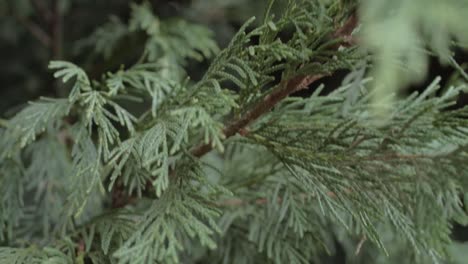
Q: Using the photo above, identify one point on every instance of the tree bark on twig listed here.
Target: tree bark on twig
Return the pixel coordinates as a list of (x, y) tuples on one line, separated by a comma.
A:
[(283, 90), (266, 104)]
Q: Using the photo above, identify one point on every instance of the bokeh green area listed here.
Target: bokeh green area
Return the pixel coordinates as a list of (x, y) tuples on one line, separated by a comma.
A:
[(459, 253)]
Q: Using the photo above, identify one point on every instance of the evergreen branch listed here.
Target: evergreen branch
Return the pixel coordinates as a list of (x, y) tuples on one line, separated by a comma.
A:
[(22, 256), (284, 90), (31, 121), (300, 172), (170, 219), (390, 157)]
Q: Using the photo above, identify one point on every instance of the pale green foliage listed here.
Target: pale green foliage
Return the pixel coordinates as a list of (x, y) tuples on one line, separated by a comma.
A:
[(32, 120), (46, 185), (144, 78), (150, 150), (86, 173), (173, 215), (319, 169), (12, 202), (21, 256), (330, 175), (195, 117), (33, 255), (66, 71), (403, 33), (305, 173), (113, 230)]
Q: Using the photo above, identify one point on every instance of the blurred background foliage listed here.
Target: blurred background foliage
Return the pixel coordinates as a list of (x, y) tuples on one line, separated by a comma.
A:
[(33, 32)]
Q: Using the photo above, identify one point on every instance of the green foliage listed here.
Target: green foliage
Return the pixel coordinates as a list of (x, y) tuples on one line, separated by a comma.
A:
[(400, 31), (92, 178), (142, 78), (12, 202), (164, 226), (342, 163), (20, 256), (174, 39), (112, 229), (32, 120)]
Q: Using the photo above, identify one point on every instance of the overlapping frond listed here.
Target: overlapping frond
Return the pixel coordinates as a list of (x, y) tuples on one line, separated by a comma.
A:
[(12, 203), (67, 71), (336, 162), (31, 121), (108, 232), (170, 219), (146, 78), (21, 256), (173, 39)]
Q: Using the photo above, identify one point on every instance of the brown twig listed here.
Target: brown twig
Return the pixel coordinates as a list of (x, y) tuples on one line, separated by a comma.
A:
[(283, 90), (346, 30), (119, 198), (266, 104)]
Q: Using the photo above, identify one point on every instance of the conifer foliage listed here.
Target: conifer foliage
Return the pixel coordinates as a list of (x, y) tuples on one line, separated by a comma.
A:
[(233, 167)]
